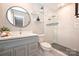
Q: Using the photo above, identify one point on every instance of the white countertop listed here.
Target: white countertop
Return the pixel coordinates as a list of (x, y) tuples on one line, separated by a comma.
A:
[(17, 35)]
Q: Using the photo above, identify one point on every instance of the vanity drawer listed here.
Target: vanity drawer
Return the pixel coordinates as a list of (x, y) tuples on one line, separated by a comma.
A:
[(8, 40), (9, 43)]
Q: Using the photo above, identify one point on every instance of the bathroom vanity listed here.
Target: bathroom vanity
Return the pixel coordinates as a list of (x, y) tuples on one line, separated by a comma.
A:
[(19, 45)]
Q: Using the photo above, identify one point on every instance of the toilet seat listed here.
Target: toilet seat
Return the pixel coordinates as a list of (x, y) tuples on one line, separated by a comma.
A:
[(45, 46)]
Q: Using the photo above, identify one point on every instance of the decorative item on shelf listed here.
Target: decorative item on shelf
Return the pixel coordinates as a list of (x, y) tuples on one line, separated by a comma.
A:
[(49, 19), (42, 7), (38, 19), (53, 16), (4, 31)]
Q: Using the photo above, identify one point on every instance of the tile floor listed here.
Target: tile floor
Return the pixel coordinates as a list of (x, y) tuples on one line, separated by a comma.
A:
[(53, 52)]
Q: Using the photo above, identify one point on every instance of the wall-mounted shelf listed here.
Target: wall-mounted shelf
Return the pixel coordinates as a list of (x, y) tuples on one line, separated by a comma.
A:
[(52, 24)]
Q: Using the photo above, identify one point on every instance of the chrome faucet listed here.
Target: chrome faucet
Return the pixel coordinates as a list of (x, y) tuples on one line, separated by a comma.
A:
[(20, 33)]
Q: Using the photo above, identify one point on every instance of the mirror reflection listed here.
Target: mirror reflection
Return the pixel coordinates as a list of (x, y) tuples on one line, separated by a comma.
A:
[(18, 16)]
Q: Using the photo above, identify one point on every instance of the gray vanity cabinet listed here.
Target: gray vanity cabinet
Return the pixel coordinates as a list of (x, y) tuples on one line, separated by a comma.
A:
[(19, 46)]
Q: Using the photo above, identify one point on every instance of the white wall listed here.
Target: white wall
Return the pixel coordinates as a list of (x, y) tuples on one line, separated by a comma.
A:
[(68, 28)]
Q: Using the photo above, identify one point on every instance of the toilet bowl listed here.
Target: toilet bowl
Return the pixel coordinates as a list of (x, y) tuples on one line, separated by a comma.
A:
[(45, 46)]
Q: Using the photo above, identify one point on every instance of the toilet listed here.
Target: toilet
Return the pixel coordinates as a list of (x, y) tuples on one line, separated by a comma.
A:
[(43, 44)]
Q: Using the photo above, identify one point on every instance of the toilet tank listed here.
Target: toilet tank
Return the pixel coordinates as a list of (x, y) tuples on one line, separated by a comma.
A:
[(42, 38)]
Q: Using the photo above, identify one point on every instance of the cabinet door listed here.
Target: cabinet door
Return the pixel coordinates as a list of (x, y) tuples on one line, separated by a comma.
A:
[(26, 50), (12, 52), (19, 51), (4, 52), (33, 48)]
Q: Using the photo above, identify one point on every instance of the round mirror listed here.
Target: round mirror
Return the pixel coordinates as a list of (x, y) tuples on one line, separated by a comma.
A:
[(18, 16)]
